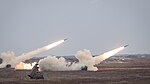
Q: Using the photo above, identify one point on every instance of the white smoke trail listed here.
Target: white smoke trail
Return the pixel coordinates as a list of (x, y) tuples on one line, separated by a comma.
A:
[(106, 55), (10, 58), (84, 59)]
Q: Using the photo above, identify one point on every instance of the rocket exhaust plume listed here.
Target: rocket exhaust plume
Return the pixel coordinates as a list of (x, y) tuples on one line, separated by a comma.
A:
[(32, 54), (14, 60), (54, 44), (106, 55), (84, 57)]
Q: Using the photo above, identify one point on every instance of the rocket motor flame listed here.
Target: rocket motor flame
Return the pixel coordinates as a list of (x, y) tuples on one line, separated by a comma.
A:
[(54, 44)]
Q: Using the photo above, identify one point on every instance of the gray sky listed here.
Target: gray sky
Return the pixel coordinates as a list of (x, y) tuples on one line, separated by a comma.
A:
[(97, 25)]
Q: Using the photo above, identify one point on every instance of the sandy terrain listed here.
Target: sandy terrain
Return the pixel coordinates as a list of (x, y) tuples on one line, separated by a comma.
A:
[(133, 71)]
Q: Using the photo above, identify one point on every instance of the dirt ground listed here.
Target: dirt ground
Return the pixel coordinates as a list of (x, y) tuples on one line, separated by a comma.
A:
[(135, 71)]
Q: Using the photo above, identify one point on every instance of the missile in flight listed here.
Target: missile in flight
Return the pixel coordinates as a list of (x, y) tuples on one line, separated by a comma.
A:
[(126, 45), (65, 39)]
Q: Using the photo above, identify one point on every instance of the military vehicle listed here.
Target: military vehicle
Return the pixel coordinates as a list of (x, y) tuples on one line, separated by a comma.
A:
[(84, 68), (35, 73)]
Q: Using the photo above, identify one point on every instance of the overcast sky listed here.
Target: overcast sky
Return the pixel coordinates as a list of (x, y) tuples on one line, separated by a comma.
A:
[(97, 25)]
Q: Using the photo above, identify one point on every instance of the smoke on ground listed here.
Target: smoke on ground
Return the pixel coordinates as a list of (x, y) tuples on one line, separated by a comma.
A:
[(84, 57), (7, 57), (52, 63)]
